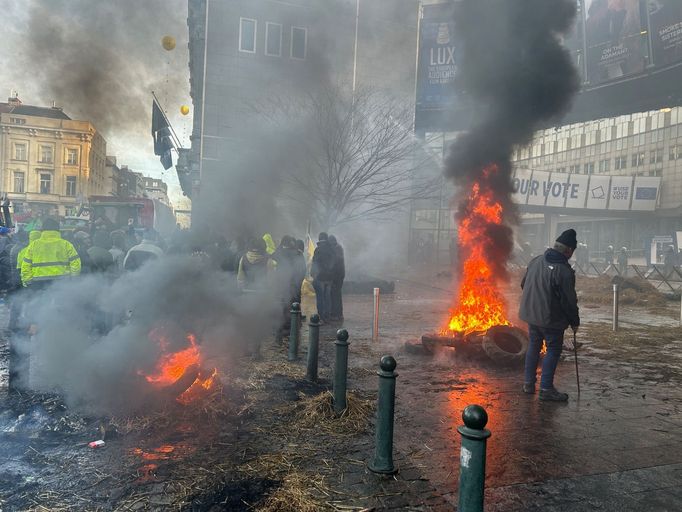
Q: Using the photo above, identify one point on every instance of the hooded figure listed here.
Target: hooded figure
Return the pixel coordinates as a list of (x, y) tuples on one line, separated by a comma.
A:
[(549, 305), (101, 260), (254, 266)]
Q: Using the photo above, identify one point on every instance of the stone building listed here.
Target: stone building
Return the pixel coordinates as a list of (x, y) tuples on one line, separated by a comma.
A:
[(155, 188), (49, 163)]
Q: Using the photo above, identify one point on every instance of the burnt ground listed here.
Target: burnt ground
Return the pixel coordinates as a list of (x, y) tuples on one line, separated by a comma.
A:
[(267, 440)]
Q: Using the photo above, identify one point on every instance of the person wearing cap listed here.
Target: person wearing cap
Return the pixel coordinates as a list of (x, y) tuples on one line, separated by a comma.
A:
[(49, 258), (549, 305)]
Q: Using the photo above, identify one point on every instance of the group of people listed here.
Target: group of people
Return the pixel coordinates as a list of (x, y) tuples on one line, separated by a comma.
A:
[(264, 265), (621, 259), (46, 253)]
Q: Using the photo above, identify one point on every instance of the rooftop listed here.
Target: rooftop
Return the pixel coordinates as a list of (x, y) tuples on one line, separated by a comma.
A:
[(30, 110)]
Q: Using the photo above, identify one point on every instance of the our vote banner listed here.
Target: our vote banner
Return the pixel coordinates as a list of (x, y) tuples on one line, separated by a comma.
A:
[(581, 191)]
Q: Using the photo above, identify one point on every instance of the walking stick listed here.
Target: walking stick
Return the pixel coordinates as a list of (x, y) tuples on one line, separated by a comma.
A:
[(575, 354)]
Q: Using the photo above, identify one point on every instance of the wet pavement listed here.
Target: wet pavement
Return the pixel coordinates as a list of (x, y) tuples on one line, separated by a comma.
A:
[(617, 447)]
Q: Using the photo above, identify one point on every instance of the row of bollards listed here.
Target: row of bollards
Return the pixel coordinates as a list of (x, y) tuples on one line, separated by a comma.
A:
[(473, 432)]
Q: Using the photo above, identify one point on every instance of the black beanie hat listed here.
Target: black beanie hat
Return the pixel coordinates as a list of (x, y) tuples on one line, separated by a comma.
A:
[(568, 238)]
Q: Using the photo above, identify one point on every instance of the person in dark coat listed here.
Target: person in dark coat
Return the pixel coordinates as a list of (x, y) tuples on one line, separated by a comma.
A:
[(289, 274), (101, 260), (322, 271), (82, 242), (6, 262), (669, 260), (339, 274), (549, 305)]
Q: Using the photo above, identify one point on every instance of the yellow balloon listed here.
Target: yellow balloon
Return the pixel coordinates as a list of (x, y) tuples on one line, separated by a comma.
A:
[(184, 110), (168, 43)]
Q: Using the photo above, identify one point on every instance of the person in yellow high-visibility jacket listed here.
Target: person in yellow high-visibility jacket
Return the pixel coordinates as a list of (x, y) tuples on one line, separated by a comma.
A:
[(32, 237), (49, 258)]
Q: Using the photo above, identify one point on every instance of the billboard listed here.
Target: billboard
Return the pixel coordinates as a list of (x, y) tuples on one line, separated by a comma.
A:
[(616, 46), (437, 65), (573, 42), (665, 18), (581, 191)]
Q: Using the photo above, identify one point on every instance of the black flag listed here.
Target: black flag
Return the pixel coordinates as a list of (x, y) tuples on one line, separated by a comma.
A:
[(161, 135)]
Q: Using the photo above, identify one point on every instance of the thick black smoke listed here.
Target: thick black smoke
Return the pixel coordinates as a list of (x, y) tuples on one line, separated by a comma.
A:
[(518, 75), (101, 60)]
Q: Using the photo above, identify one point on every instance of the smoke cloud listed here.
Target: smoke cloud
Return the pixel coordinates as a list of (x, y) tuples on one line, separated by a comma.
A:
[(519, 77), (101, 370), (100, 61)]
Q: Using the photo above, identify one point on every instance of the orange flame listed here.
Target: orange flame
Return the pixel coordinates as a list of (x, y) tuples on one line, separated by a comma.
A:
[(171, 366), (479, 303)]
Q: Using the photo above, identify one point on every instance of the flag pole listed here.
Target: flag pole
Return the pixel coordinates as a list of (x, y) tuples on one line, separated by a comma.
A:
[(176, 139)]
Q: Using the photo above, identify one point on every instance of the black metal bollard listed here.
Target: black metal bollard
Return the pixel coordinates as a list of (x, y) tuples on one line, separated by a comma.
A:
[(472, 459), (313, 347), (294, 331), (340, 370), (383, 450)]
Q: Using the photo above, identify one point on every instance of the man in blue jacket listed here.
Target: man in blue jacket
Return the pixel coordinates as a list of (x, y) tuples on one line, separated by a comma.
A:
[(549, 305)]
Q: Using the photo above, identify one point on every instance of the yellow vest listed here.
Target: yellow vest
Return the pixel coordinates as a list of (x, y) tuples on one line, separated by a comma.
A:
[(50, 257), (32, 237)]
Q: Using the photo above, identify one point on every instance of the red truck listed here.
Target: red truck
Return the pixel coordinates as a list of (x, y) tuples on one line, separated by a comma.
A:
[(146, 213)]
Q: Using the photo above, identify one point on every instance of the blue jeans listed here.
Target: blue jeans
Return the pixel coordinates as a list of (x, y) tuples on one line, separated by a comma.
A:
[(555, 344), (323, 297)]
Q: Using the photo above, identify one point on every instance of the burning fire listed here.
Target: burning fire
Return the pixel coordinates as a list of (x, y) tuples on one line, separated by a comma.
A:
[(172, 366), (479, 303)]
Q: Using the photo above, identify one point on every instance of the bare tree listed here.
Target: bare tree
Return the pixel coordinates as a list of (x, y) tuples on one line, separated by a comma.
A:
[(356, 156)]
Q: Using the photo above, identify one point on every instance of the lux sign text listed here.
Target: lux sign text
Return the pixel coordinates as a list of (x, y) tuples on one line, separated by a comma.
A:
[(442, 56)]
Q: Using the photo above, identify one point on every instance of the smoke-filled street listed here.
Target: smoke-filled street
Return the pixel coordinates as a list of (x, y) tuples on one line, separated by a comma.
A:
[(619, 443), (341, 255)]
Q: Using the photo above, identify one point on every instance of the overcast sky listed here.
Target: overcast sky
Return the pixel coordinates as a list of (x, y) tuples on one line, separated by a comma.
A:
[(100, 60)]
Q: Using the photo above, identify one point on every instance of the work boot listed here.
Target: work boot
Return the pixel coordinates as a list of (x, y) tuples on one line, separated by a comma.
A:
[(529, 389), (553, 395)]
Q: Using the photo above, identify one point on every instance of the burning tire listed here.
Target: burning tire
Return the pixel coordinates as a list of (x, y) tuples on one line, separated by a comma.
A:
[(505, 344)]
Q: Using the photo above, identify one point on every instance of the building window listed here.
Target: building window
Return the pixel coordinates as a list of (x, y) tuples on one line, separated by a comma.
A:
[(299, 42), (19, 182), (45, 183), (71, 186), (20, 152), (638, 159), (675, 152), (273, 39), (589, 168), (72, 156), (574, 169), (604, 165), (45, 154), (247, 35), (17, 120), (621, 162)]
